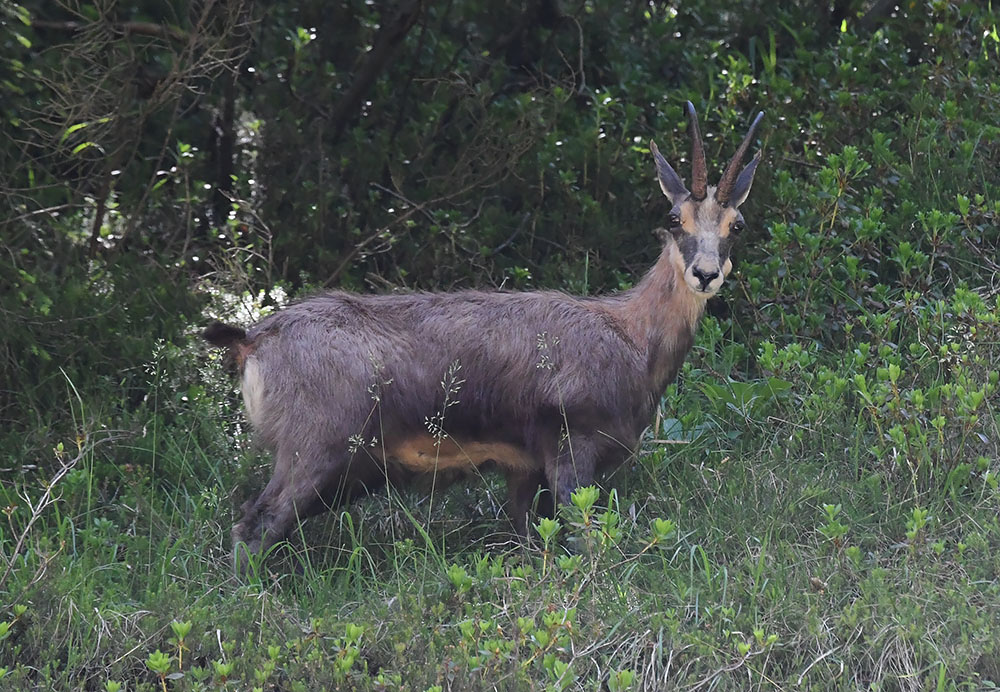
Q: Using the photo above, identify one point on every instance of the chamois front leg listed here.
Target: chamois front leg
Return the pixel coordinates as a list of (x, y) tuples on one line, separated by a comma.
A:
[(572, 466), (524, 489)]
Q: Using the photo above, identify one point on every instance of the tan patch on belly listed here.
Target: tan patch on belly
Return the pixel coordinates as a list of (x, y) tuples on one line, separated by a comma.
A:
[(423, 453)]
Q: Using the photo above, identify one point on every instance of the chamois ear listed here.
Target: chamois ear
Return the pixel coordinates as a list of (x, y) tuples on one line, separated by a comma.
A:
[(741, 188), (670, 182)]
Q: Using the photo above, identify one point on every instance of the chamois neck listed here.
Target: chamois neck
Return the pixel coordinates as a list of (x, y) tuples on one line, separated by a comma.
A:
[(661, 315)]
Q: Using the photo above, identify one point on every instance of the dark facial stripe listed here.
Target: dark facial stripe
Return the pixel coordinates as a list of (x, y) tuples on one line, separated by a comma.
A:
[(688, 245), (725, 245)]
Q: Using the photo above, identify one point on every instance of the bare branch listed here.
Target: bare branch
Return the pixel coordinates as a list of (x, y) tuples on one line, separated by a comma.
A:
[(387, 43), (140, 28)]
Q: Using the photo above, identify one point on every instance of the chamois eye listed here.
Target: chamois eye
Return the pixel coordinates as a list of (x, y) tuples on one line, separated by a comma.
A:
[(673, 222), (737, 228)]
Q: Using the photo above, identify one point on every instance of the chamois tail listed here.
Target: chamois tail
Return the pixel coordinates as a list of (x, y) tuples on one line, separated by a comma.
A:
[(223, 335)]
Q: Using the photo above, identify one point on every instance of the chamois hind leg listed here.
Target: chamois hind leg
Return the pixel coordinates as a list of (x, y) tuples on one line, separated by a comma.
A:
[(294, 492), (523, 488)]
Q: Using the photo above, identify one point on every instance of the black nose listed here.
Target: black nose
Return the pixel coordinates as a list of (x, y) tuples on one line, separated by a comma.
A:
[(702, 277)]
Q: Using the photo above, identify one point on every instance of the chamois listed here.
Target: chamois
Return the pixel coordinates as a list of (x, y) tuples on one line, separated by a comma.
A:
[(352, 391)]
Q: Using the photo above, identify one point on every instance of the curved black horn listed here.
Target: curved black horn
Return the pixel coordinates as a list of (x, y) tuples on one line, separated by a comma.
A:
[(729, 176), (699, 171)]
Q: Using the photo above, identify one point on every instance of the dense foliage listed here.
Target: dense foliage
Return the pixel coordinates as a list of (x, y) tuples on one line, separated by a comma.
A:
[(818, 504)]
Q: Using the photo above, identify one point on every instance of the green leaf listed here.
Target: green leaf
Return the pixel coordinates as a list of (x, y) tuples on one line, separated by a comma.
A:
[(158, 662), (71, 129), (585, 497), (79, 126)]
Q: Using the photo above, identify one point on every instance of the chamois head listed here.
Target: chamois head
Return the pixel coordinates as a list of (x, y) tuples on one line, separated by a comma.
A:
[(705, 220)]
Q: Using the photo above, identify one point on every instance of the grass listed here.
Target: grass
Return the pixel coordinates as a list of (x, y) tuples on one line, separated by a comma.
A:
[(788, 544)]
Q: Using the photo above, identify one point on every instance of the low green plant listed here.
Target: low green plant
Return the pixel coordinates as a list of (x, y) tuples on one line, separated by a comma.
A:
[(833, 529), (159, 663)]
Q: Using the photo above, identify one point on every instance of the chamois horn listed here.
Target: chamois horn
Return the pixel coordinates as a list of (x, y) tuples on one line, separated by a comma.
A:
[(699, 171), (729, 176)]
